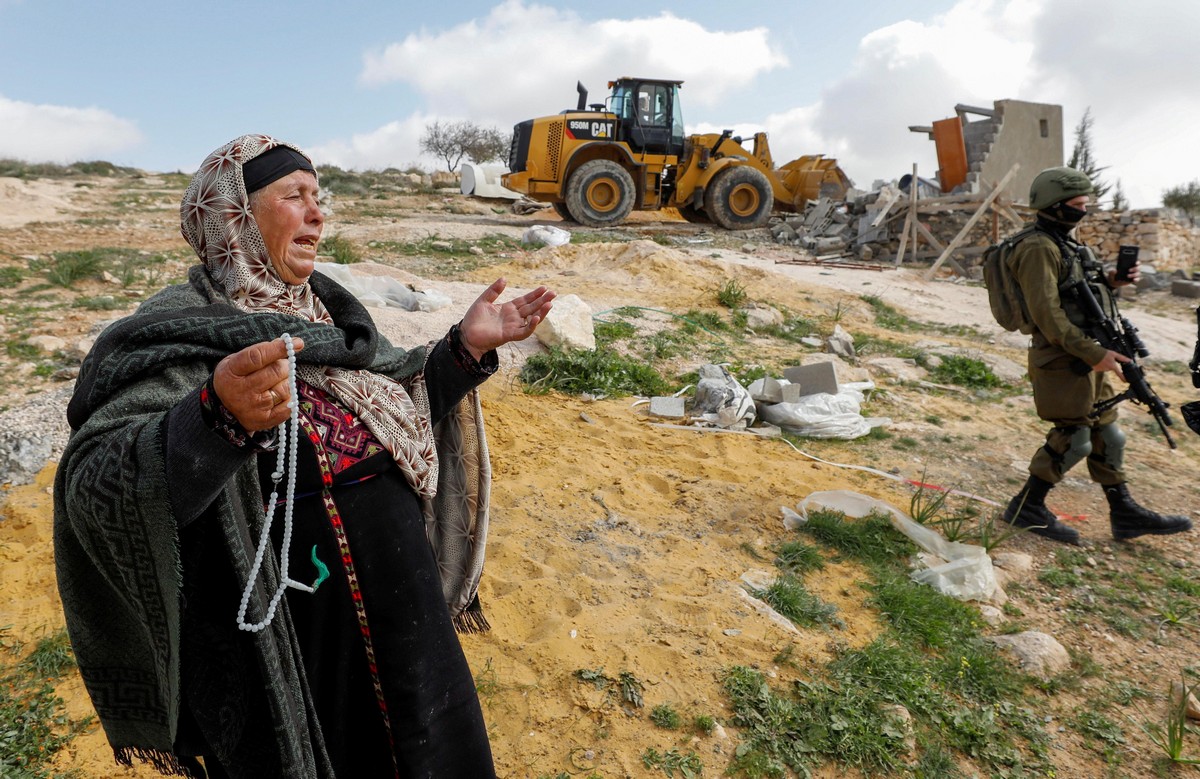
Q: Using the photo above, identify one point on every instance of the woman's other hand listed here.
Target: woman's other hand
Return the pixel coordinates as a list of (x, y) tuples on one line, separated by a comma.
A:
[(487, 325), (252, 384)]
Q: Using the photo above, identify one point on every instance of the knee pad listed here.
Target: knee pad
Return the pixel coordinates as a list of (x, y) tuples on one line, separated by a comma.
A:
[(1079, 446), (1113, 438)]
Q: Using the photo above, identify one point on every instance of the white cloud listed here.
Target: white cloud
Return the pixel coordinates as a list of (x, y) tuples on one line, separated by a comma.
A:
[(910, 73), (1135, 66), (49, 133), (522, 60), (395, 145)]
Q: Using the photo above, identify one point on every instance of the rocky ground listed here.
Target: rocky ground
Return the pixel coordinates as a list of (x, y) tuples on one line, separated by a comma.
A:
[(617, 544)]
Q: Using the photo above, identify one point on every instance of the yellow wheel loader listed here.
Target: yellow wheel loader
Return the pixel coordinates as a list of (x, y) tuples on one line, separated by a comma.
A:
[(599, 162)]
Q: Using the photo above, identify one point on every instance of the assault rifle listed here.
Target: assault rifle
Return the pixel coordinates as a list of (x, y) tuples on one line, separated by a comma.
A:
[(1116, 333)]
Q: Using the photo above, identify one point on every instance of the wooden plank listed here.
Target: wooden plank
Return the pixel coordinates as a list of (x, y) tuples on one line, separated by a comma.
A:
[(889, 198), (913, 186), (928, 236), (962, 234), (911, 220), (904, 239)]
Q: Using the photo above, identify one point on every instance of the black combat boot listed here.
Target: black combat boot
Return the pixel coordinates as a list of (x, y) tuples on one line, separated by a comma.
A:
[(1129, 520), (1028, 510)]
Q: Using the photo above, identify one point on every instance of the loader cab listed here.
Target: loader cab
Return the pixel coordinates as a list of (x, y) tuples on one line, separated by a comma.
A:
[(650, 113)]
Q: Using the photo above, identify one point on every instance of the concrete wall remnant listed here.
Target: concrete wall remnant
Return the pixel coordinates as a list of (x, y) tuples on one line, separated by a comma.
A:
[(1012, 131)]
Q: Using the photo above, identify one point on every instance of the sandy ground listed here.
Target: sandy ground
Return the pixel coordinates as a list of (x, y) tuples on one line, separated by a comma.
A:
[(619, 544)]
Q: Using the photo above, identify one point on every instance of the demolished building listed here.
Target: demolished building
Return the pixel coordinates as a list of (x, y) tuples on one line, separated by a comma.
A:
[(971, 152)]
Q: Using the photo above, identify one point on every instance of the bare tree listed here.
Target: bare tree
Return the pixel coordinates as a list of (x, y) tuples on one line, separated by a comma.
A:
[(454, 141)]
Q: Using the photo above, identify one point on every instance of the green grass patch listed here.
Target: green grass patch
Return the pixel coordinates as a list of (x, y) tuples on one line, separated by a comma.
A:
[(888, 317), (963, 696), (601, 372), (918, 612), (33, 721), (673, 762), (871, 539), (341, 250), (610, 332), (11, 276), (665, 716), (788, 595), (965, 372), (731, 294), (797, 557)]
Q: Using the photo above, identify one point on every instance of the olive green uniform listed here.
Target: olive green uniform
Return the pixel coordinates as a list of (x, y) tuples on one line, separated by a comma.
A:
[(1061, 394)]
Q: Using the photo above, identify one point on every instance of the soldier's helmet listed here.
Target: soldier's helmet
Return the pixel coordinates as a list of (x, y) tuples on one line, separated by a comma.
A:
[(1054, 185)]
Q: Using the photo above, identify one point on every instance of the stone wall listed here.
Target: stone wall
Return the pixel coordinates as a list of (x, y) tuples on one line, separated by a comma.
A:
[(1167, 240)]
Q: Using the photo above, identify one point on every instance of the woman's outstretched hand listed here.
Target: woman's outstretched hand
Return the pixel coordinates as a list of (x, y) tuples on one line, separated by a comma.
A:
[(252, 384), (488, 325)]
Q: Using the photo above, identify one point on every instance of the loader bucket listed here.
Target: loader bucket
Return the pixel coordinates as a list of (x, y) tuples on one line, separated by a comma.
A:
[(812, 177)]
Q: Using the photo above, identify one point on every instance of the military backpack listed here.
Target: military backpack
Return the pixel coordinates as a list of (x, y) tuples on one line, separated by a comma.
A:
[(1004, 294)]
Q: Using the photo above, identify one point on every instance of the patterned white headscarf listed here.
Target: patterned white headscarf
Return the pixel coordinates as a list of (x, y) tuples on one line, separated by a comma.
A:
[(216, 220)]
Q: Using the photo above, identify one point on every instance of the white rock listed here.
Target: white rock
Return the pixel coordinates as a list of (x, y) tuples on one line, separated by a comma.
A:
[(1016, 564), (840, 343), (568, 325), (763, 317), (48, 343), (1037, 653), (991, 615), (900, 368)]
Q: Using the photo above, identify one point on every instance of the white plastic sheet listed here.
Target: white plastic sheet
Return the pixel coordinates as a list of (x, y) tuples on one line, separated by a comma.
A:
[(824, 415), (383, 291), (546, 235), (721, 399), (967, 572)]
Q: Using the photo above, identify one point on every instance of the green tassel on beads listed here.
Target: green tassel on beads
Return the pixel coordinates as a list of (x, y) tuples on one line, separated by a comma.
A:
[(322, 569)]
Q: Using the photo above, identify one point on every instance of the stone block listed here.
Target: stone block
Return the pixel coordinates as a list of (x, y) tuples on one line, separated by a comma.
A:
[(671, 408), (811, 379), (1185, 289)]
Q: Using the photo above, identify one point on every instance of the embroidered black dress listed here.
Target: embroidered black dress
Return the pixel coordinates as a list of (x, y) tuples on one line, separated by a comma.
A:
[(391, 686)]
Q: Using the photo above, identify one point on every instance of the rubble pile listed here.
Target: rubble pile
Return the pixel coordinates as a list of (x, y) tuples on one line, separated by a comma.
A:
[(869, 226)]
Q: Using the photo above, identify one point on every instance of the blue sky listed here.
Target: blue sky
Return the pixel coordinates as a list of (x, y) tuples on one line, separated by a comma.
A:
[(159, 85)]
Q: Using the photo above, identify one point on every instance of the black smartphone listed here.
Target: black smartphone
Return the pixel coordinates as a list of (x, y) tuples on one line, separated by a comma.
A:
[(1127, 257)]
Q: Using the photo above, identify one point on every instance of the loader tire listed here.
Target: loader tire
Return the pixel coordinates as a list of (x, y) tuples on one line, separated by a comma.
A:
[(739, 198), (694, 215), (563, 213), (600, 194)]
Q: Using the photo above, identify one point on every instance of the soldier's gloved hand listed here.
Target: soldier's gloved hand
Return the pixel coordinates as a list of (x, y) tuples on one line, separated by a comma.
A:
[(1135, 273), (1111, 362)]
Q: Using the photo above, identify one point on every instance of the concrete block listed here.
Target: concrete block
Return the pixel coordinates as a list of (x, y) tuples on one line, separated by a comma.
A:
[(766, 390), (814, 378), (792, 393), (1185, 289), (672, 408)]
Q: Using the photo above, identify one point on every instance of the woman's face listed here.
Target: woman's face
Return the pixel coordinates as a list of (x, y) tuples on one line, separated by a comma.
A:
[(290, 221)]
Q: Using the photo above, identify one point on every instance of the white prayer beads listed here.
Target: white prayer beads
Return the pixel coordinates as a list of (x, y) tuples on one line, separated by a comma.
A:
[(287, 452)]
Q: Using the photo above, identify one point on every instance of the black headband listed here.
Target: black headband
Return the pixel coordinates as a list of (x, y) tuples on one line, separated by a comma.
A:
[(273, 165)]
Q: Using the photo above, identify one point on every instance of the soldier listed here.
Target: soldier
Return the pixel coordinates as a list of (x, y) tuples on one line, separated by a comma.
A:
[(1064, 391)]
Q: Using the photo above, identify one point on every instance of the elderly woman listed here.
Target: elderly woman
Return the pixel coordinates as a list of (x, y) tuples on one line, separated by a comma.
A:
[(192, 659)]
